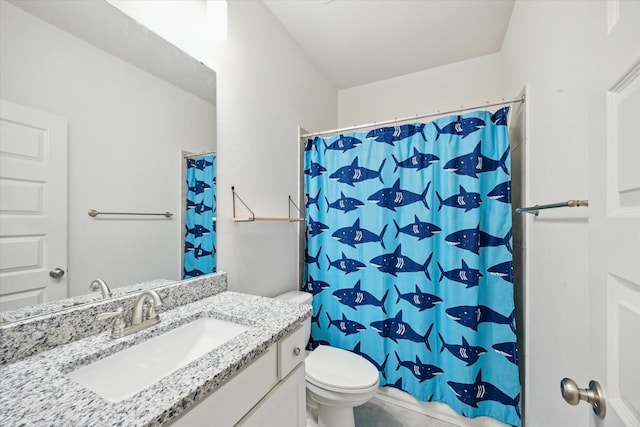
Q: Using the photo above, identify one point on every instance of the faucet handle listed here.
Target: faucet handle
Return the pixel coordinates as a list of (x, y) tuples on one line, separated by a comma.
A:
[(151, 313), (117, 329)]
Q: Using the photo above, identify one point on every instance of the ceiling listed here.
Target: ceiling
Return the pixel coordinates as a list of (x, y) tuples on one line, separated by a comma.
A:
[(355, 42)]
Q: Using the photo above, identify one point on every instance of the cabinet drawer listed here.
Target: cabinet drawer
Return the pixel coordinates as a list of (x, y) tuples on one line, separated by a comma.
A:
[(291, 351)]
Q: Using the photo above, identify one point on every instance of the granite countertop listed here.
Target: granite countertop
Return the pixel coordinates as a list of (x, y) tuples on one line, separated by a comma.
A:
[(37, 392)]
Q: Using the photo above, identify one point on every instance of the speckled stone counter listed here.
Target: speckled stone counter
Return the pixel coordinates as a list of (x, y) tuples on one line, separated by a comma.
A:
[(75, 302), (37, 392), (47, 330)]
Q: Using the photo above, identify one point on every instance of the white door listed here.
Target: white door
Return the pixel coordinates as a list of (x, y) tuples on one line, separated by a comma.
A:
[(614, 210), (33, 206)]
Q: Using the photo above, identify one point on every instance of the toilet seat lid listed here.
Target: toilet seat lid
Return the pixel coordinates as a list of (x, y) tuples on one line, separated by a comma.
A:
[(333, 368)]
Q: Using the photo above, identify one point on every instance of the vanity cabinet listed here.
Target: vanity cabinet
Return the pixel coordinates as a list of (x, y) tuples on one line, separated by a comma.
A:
[(268, 392)]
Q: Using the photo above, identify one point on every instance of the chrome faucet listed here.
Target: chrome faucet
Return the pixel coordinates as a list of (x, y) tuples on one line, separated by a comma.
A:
[(100, 284), (139, 320)]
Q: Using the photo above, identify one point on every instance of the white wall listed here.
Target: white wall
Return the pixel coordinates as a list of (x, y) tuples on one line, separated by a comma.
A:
[(464, 83), (545, 47), (267, 86), (126, 130)]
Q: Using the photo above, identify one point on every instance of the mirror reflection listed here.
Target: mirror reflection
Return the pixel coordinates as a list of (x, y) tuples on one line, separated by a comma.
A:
[(83, 128)]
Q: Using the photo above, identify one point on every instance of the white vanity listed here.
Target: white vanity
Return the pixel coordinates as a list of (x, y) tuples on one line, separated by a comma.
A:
[(268, 392), (255, 378)]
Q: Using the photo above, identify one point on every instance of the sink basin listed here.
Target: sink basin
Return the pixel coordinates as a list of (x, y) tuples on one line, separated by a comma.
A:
[(129, 371)]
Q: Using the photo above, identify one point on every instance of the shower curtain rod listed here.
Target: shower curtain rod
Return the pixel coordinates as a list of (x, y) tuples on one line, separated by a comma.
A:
[(421, 116), (188, 156)]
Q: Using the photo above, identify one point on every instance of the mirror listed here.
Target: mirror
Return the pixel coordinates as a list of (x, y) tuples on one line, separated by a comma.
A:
[(133, 103)]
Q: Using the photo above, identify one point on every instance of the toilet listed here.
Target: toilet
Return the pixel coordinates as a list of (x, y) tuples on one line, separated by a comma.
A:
[(337, 380)]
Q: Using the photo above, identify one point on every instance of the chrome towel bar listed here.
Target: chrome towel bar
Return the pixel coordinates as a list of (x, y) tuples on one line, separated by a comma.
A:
[(94, 213), (568, 204)]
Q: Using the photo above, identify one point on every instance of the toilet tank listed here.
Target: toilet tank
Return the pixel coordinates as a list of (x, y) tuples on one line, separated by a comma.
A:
[(299, 297)]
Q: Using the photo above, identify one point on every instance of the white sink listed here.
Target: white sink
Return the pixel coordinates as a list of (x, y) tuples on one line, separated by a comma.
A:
[(129, 371)]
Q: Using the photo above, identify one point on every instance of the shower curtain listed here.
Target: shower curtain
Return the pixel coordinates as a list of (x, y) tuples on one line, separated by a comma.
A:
[(200, 218), (409, 257)]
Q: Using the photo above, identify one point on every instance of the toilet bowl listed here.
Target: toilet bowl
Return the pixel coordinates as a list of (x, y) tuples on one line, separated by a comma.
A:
[(336, 380)]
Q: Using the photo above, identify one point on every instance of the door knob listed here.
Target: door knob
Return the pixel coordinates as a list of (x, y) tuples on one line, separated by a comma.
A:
[(56, 273), (593, 395)]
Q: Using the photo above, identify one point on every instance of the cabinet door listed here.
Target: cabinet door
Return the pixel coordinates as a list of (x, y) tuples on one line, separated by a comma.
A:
[(284, 406), (291, 351), (225, 406)]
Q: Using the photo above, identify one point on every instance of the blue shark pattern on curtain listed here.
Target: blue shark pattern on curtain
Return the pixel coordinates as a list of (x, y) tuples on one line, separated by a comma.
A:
[(409, 257), (200, 219)]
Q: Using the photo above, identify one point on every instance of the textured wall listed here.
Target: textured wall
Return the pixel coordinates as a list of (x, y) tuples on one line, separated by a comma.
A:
[(465, 83), (267, 87), (546, 48)]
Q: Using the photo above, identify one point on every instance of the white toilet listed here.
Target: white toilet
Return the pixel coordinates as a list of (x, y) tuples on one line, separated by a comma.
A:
[(337, 380)]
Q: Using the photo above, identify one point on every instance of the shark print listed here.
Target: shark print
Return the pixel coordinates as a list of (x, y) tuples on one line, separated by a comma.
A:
[(199, 252), (309, 259), (508, 350), (315, 286), (343, 143), (315, 227), (397, 384), (391, 134), (466, 200), (421, 371), (499, 118), (424, 303), (314, 170), (345, 264), (315, 318), (501, 192), (394, 263), (192, 273), (422, 300), (197, 230), (353, 173), (346, 326), (481, 391), (394, 197), (379, 366), (465, 352), (199, 187), (474, 163), (344, 204), (472, 239), (355, 235), (395, 329), (199, 164), (199, 256), (418, 161), (355, 296), (460, 127), (310, 201), (200, 208), (504, 270), (309, 145), (419, 229), (313, 344), (472, 316), (465, 275)]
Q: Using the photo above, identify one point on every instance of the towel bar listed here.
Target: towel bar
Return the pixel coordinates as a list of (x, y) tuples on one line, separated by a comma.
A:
[(568, 204)]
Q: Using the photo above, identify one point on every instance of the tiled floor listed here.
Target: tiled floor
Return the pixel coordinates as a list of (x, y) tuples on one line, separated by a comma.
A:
[(379, 414)]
